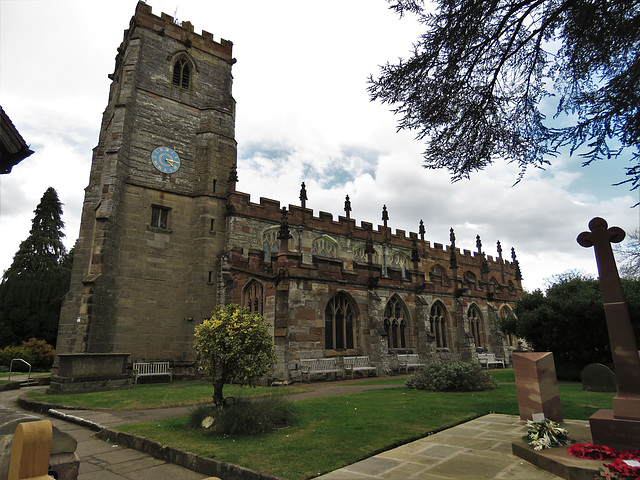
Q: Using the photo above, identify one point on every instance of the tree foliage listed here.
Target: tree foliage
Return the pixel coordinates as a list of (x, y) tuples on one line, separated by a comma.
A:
[(569, 321), (33, 287), (234, 344), (628, 255), (482, 75)]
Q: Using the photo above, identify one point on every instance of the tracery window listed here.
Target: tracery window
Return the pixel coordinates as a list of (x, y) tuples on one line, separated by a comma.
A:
[(470, 278), (395, 323), (339, 323), (252, 297), (400, 260), (181, 73), (438, 324), (475, 324), (270, 243), (324, 247)]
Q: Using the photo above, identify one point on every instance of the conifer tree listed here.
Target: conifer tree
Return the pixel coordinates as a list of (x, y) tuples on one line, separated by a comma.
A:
[(34, 285)]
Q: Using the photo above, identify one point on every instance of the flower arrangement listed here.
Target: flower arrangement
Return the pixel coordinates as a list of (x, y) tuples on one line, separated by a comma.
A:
[(624, 464), (545, 434)]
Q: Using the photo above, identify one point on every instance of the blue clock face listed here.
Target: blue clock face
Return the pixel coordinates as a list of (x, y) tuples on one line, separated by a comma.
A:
[(165, 160)]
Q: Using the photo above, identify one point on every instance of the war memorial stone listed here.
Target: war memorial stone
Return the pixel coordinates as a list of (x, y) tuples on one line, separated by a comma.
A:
[(618, 428), (537, 386)]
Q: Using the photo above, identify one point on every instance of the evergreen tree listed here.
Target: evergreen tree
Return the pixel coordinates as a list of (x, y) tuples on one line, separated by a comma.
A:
[(34, 286), (484, 74)]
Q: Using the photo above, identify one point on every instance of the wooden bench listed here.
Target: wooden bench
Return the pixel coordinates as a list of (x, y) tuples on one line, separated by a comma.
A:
[(150, 369), (309, 366), (408, 360), (487, 359), (355, 364), (30, 451)]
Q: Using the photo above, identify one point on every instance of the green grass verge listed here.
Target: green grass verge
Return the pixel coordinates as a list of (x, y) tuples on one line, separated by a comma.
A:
[(504, 375), (156, 395), (344, 429)]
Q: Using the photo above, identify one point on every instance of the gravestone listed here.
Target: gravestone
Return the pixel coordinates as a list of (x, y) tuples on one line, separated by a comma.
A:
[(598, 378), (537, 386), (618, 428)]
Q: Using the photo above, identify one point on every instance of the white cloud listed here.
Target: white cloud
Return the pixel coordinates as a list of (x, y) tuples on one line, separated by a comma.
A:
[(303, 114)]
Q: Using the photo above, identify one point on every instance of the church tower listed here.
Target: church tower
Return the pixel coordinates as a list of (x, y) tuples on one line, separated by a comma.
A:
[(153, 228)]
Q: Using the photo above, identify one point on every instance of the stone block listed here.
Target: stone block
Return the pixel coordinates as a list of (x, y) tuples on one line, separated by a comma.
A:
[(537, 386), (617, 433)]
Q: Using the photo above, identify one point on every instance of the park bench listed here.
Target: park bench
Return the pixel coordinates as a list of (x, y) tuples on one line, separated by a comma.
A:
[(310, 366), (408, 360), (150, 369), (358, 364), (487, 359)]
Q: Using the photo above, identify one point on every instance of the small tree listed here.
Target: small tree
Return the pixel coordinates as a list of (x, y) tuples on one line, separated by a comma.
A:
[(234, 344)]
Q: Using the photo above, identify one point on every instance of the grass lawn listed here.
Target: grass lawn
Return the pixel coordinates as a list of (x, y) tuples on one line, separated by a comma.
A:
[(343, 429), (157, 395)]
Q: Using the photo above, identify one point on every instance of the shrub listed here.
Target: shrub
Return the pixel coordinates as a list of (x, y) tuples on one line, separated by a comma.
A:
[(37, 352), (40, 352), (12, 351), (451, 377), (245, 417)]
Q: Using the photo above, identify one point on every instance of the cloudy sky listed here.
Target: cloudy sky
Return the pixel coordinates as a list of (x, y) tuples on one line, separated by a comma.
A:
[(303, 114)]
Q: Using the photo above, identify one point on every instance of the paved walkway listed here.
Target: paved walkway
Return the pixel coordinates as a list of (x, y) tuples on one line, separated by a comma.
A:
[(477, 449)]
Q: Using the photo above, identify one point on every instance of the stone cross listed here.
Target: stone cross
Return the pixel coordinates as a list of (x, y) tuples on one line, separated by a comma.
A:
[(621, 337)]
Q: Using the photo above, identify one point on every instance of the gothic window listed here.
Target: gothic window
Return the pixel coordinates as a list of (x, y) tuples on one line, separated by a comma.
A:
[(270, 243), (324, 247), (181, 72), (400, 260), (339, 323), (160, 217), (470, 278), (252, 297), (436, 274), (359, 254), (395, 323), (438, 324), (475, 324)]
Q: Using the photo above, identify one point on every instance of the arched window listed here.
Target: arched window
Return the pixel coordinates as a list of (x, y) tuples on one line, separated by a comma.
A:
[(339, 323), (395, 323), (475, 325), (270, 243), (181, 72), (400, 260), (324, 247), (470, 278), (438, 324), (252, 296)]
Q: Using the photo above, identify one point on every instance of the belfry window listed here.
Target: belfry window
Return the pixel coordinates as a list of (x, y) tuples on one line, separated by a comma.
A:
[(395, 323), (270, 243), (181, 73), (339, 324)]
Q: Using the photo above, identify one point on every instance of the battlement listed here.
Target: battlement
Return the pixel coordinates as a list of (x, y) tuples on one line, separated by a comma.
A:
[(183, 32), (271, 211)]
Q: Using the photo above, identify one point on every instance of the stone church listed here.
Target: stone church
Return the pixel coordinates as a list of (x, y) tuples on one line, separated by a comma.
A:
[(165, 237)]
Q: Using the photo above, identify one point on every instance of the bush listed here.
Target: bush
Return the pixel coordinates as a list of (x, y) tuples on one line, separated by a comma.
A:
[(245, 417), (40, 352), (37, 352), (451, 377)]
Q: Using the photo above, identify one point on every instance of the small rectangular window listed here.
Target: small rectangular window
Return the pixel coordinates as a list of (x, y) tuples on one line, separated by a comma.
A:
[(210, 277), (214, 186), (213, 221), (160, 217)]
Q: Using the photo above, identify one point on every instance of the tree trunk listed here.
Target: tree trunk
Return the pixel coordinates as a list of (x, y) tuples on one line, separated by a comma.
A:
[(218, 398)]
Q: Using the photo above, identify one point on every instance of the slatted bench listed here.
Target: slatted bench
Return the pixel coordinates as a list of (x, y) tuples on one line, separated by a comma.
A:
[(310, 366), (408, 360), (150, 369), (487, 359), (355, 364)]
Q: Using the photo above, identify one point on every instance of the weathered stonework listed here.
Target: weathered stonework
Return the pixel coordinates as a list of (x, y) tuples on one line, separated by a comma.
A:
[(140, 287)]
